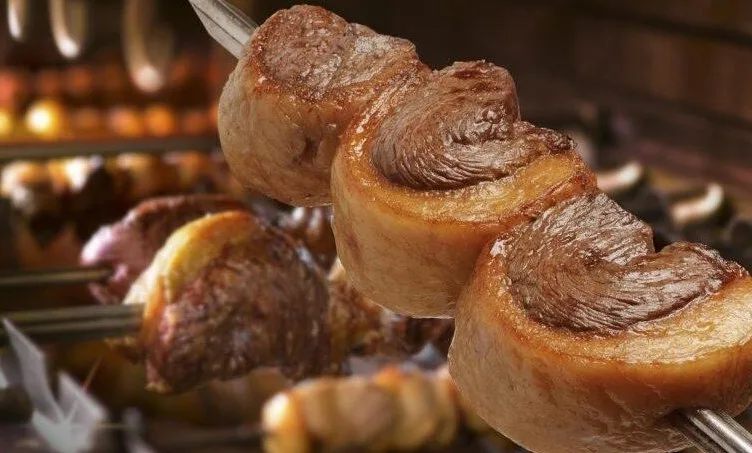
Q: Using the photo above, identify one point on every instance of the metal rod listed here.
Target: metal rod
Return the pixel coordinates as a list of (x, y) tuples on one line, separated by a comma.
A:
[(714, 432), (226, 24), (69, 314), (71, 148), (75, 324), (710, 431), (76, 332), (20, 279)]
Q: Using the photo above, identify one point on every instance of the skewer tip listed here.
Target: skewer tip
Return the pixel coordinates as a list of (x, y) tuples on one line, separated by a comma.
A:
[(225, 24)]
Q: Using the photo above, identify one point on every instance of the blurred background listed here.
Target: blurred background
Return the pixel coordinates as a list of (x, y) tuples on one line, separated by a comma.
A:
[(104, 103)]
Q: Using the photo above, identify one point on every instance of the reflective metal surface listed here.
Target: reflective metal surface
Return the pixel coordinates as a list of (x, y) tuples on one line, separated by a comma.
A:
[(228, 26)]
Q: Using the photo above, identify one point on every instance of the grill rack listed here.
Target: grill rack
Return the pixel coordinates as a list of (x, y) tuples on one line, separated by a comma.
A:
[(104, 147)]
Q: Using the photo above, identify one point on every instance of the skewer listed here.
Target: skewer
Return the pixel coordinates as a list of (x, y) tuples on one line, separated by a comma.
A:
[(32, 278), (76, 324), (78, 148), (711, 432), (225, 24)]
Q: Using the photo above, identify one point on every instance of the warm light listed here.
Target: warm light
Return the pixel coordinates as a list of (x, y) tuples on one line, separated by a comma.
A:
[(276, 411), (160, 120), (148, 79), (14, 87), (195, 122), (126, 122), (40, 120), (48, 83), (77, 171), (112, 80), (45, 119), (6, 122), (79, 81), (87, 120), (181, 69)]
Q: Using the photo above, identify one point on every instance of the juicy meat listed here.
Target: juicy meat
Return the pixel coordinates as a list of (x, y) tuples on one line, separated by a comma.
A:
[(227, 294), (305, 73), (572, 334), (595, 269), (574, 317), (461, 128), (129, 245), (431, 172)]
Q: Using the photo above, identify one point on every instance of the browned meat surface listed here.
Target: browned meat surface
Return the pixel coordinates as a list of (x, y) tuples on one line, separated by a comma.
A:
[(574, 317), (430, 173), (227, 294), (460, 128), (608, 276), (572, 333), (305, 73), (129, 245)]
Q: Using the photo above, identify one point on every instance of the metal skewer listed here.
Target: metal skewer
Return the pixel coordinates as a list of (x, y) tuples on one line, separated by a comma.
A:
[(104, 147), (225, 24), (711, 432), (75, 324), (33, 278)]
